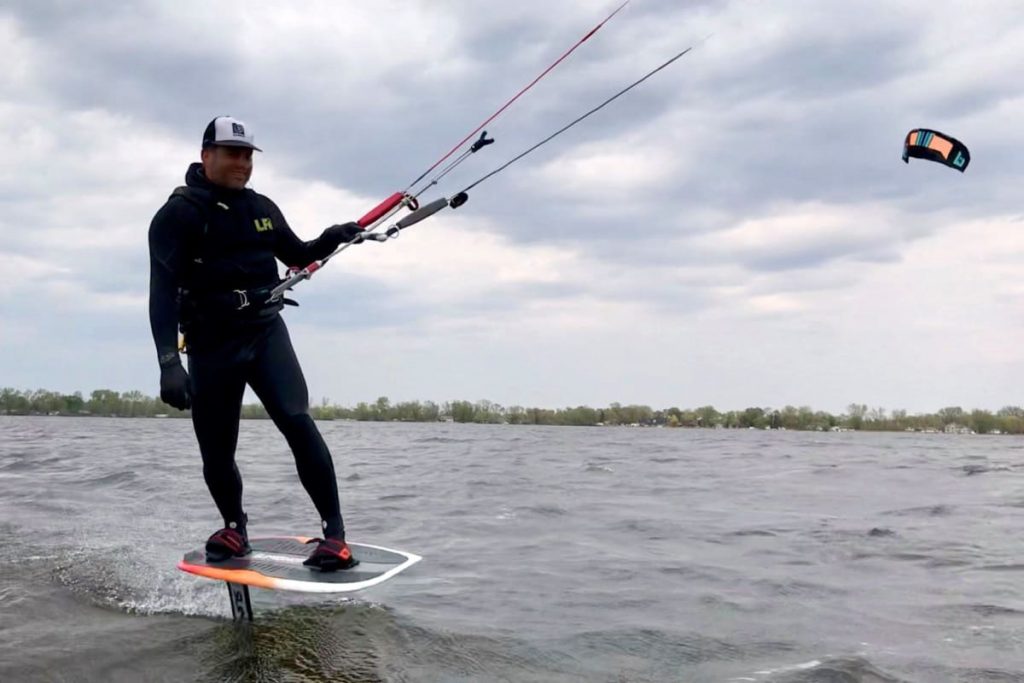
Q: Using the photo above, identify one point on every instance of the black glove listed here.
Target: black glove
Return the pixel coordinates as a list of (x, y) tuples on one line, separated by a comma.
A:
[(174, 389), (346, 232)]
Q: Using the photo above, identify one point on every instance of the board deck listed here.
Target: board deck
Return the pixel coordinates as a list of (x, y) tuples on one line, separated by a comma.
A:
[(276, 563)]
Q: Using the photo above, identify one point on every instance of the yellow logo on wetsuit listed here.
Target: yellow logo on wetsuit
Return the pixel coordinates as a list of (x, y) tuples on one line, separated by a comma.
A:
[(263, 224)]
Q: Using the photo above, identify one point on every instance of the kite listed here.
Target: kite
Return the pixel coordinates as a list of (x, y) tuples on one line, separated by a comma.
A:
[(922, 143)]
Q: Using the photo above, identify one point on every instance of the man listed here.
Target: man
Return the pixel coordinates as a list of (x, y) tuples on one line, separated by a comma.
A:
[(212, 249)]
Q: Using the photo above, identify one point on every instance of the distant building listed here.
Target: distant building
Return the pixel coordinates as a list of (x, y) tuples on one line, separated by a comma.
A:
[(954, 428)]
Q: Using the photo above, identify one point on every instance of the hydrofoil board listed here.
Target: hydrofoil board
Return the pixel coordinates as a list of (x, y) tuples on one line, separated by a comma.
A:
[(276, 563)]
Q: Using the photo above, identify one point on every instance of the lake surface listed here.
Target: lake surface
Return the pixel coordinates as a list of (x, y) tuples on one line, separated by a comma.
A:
[(550, 554)]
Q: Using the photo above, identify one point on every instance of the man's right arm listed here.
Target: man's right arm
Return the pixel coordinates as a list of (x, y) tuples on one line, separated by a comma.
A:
[(168, 256), (167, 261)]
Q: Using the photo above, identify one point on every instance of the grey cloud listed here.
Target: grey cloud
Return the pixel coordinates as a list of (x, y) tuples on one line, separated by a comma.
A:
[(816, 255)]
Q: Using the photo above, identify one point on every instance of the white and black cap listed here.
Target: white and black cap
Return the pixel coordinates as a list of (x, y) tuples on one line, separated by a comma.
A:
[(228, 131)]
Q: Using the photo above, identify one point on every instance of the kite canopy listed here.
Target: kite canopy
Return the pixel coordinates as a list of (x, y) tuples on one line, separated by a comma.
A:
[(922, 143)]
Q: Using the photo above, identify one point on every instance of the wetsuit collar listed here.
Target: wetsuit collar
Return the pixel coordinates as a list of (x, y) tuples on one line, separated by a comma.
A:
[(195, 177)]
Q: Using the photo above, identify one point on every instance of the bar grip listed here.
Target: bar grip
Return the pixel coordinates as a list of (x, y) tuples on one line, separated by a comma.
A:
[(381, 209)]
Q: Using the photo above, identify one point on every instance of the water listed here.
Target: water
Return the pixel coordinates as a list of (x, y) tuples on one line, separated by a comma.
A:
[(550, 554)]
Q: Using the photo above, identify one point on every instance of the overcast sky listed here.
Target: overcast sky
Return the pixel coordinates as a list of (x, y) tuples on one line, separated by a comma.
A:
[(738, 231)]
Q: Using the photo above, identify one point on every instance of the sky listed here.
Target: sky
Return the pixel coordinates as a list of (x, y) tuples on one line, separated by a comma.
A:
[(738, 231)]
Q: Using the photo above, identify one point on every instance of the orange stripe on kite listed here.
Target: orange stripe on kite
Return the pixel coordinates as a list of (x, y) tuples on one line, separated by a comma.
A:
[(941, 145)]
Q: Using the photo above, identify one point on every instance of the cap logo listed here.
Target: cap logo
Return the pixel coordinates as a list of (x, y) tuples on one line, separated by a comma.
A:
[(237, 130)]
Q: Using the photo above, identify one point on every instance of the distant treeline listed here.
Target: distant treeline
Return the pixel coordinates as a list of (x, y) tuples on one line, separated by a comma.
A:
[(104, 402)]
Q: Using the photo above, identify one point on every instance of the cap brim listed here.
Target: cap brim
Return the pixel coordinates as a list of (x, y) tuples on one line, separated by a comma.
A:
[(233, 143)]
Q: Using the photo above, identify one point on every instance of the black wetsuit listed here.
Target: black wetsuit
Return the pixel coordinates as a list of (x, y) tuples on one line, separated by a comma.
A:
[(205, 243)]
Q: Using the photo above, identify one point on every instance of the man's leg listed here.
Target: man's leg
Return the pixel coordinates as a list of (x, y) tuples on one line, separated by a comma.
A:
[(277, 379), (218, 384)]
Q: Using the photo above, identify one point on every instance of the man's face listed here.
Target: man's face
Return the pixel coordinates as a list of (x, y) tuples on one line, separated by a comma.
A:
[(227, 166)]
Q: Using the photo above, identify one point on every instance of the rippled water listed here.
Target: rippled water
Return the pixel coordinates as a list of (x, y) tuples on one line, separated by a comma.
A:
[(550, 554)]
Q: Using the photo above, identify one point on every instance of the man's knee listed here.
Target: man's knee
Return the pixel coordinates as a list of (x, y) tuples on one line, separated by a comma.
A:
[(296, 424)]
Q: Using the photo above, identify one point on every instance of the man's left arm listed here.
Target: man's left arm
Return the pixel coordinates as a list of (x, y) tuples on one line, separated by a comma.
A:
[(294, 252)]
